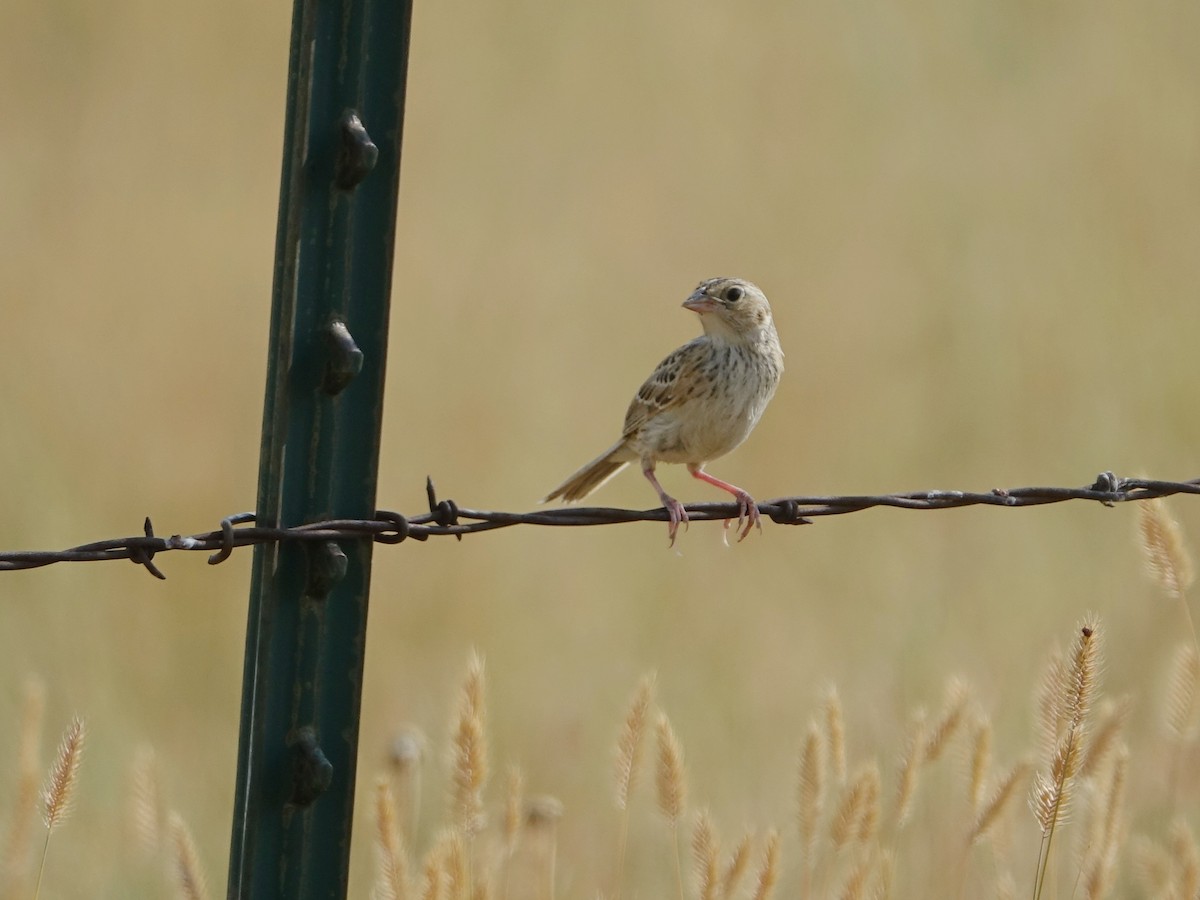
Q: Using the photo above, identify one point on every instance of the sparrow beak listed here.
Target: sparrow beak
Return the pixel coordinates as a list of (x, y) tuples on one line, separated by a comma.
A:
[(700, 302)]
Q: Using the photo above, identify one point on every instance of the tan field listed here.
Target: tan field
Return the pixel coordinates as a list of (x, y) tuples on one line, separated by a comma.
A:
[(978, 224)]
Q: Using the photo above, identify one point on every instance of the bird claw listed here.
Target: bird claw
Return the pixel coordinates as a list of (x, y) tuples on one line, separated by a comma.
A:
[(748, 513), (676, 514)]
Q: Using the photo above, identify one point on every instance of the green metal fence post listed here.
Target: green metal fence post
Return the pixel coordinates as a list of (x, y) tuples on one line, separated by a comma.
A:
[(306, 632)]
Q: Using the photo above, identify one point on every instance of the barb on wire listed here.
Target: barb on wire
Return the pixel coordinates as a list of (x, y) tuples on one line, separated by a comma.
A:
[(445, 517)]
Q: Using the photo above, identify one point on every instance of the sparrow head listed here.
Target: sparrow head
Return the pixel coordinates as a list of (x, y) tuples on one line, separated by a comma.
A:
[(731, 308)]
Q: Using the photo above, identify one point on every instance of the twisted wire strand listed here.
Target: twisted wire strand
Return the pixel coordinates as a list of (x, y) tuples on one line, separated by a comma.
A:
[(446, 518)]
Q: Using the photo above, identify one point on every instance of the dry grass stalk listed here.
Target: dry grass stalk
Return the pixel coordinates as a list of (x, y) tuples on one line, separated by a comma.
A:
[(990, 812), (1077, 688), (810, 802), (1084, 671), (629, 741), (514, 810), (190, 883), (1185, 860), (1052, 792), (885, 875), (910, 768), (1099, 864), (980, 763), (432, 880), (1181, 691), (145, 802), (1152, 867), (391, 882), (858, 812), (705, 852), (469, 749), (60, 784), (1049, 722), (768, 871), (472, 688), (739, 860), (1181, 709), (672, 787), (835, 734), (856, 881), (17, 845), (669, 778), (469, 774), (1104, 737), (628, 760), (513, 800), (59, 787), (954, 709), (1167, 559), (455, 865), (868, 821)]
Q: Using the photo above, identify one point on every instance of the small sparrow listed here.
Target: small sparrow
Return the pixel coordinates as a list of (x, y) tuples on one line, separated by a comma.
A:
[(701, 402)]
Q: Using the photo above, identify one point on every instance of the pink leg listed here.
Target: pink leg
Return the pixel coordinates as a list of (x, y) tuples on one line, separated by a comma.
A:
[(747, 508), (675, 511)]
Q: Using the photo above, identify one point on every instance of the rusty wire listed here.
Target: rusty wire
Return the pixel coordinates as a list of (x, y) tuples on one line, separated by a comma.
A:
[(445, 518)]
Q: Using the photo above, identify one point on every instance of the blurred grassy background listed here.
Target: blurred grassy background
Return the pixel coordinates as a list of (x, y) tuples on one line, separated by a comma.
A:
[(977, 223)]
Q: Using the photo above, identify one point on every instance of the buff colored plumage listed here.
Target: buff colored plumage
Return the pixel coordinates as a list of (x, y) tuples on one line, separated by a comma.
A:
[(701, 402)]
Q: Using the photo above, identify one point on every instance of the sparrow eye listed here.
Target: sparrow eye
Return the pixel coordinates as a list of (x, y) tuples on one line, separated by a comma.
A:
[(734, 294)]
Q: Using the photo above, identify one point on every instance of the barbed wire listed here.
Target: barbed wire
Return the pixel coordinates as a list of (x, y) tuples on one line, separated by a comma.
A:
[(446, 518)]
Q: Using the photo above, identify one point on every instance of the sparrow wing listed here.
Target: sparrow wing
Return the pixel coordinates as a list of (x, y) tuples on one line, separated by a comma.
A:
[(677, 379)]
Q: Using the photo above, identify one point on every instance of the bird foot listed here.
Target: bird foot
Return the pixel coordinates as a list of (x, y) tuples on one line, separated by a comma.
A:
[(748, 513), (676, 514)]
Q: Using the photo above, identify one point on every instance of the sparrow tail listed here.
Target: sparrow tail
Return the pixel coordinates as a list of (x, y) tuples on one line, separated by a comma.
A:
[(594, 474)]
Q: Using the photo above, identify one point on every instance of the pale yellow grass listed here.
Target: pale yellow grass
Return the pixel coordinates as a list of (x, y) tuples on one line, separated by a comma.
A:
[(855, 854)]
